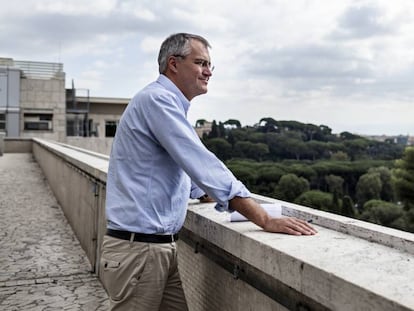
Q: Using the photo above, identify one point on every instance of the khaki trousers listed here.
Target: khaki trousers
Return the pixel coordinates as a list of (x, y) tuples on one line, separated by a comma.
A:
[(141, 276)]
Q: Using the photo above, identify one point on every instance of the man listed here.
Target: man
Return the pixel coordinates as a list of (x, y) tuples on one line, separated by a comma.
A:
[(157, 162)]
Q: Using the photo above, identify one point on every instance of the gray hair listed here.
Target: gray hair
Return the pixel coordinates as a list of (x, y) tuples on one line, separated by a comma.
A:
[(177, 44)]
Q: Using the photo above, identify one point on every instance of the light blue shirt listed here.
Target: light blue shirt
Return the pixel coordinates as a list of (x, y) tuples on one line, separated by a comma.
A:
[(158, 162)]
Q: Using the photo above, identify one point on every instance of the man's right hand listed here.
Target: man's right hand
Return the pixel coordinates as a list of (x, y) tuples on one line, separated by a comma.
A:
[(255, 213), (289, 225)]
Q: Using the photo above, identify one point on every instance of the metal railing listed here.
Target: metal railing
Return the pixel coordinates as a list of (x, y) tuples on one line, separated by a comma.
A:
[(40, 70)]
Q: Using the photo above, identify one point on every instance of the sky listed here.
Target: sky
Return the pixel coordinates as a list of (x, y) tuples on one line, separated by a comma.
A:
[(348, 65)]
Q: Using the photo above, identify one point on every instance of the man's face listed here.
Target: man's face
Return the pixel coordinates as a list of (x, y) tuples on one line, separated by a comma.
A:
[(194, 71)]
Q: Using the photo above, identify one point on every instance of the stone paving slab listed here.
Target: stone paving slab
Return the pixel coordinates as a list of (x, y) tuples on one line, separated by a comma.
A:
[(42, 265)]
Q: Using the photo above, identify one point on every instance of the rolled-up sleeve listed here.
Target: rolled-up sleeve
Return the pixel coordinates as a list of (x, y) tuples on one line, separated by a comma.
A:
[(237, 190)]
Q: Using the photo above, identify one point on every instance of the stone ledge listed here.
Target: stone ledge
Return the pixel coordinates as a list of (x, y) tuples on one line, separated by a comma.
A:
[(338, 270)]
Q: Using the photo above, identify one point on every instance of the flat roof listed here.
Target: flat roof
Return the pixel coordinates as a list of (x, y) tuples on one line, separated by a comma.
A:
[(103, 100)]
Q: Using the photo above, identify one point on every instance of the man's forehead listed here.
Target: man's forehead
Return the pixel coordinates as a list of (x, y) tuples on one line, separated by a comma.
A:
[(198, 49)]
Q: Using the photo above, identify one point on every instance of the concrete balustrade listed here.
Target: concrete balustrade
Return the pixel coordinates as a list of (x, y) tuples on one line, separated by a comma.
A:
[(348, 265)]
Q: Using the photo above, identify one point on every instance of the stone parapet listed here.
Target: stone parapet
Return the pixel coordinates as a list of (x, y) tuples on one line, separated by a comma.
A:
[(333, 270)]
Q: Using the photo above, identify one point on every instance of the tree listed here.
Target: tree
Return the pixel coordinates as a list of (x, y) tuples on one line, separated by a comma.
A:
[(301, 169), (290, 186), (339, 156), (387, 192), (246, 174), (233, 122), (316, 149), (268, 125), (382, 213), (403, 178), (348, 208), (200, 122), (220, 147), (270, 174), (348, 136), (356, 148), (316, 199), (368, 188), (251, 150), (296, 147), (214, 133), (221, 130), (237, 135), (335, 184)]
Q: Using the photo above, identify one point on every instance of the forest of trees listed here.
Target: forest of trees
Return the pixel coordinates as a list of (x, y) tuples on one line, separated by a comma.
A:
[(309, 165)]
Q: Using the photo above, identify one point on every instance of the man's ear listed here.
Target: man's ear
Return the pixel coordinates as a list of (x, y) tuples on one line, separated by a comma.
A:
[(172, 64)]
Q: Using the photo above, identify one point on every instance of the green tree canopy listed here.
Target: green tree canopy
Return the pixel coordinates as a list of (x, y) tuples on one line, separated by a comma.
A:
[(251, 150), (316, 199), (246, 174), (290, 186), (233, 122), (368, 188), (348, 208), (382, 213), (403, 177), (220, 147), (387, 192), (335, 184)]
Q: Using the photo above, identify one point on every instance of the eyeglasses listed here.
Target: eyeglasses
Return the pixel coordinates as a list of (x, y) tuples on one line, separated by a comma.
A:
[(205, 64)]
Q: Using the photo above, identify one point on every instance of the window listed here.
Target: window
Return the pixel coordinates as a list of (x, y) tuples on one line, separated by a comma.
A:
[(74, 127), (110, 128), (2, 122), (38, 121), (79, 126)]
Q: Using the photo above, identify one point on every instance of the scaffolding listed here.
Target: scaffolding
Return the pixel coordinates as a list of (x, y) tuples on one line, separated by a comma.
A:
[(77, 112)]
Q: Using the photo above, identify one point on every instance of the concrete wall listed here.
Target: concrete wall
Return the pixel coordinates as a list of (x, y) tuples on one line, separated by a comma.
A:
[(17, 145), (209, 286), (97, 144), (80, 191), (47, 95), (348, 265)]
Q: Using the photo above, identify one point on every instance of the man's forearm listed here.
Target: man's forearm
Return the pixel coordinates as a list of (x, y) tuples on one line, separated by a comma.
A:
[(250, 209)]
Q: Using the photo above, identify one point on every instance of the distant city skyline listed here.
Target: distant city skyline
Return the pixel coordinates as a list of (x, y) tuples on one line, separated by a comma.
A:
[(348, 65)]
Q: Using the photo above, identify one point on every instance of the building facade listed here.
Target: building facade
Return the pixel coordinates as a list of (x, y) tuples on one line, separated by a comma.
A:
[(35, 103)]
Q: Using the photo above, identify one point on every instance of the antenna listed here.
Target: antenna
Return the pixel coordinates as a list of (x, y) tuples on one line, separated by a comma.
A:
[(59, 50)]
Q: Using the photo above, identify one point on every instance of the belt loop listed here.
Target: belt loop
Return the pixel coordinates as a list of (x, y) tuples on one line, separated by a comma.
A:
[(131, 239)]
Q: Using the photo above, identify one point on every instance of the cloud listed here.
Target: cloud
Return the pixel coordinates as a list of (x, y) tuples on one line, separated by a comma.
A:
[(316, 60), (362, 22)]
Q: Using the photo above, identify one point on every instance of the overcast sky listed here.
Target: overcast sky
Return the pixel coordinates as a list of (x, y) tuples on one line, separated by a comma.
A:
[(345, 64)]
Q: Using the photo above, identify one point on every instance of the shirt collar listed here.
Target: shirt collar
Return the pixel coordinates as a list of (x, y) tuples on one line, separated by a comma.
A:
[(170, 86)]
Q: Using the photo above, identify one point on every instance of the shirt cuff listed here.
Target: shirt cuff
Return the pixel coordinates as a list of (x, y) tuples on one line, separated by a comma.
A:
[(237, 190)]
